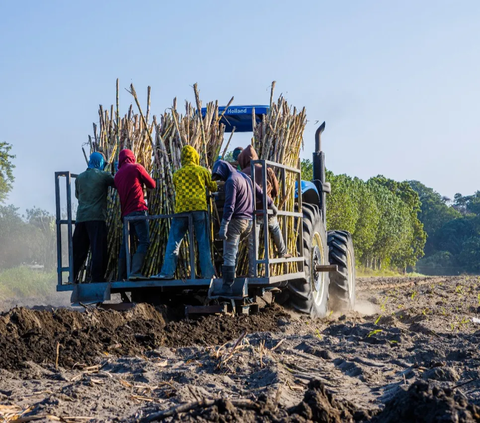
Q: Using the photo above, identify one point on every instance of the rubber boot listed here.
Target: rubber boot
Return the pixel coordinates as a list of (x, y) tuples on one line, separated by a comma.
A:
[(280, 243), (228, 274), (137, 263), (122, 269)]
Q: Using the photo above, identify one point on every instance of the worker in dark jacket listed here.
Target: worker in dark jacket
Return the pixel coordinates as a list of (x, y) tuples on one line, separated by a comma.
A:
[(244, 159), (91, 189), (190, 183), (129, 180), (237, 214)]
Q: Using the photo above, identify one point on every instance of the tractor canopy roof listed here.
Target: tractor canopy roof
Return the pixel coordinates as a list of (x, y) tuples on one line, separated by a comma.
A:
[(240, 117)]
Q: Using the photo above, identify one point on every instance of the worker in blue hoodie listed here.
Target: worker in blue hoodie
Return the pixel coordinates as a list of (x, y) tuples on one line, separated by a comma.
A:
[(91, 190), (237, 214)]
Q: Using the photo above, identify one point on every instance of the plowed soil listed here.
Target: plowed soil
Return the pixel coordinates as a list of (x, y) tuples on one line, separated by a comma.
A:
[(82, 337), (410, 352)]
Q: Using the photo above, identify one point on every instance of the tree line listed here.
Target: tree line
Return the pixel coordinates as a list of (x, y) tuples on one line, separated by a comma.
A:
[(453, 228), (24, 239), (381, 214), (405, 225), (395, 225)]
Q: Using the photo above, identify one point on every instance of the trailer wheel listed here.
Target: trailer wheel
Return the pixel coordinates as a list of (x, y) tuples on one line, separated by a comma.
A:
[(310, 295), (342, 286)]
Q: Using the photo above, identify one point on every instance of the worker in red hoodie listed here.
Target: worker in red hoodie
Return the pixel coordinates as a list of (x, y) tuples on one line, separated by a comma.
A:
[(129, 180)]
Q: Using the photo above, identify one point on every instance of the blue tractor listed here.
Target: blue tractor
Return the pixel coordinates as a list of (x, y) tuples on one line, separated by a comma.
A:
[(321, 279)]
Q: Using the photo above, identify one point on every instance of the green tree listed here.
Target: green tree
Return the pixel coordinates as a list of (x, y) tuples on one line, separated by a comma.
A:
[(388, 232), (15, 247), (434, 209), (307, 170), (43, 242), (342, 209), (468, 204), (412, 237), (228, 156), (455, 233), (469, 257), (368, 217), (6, 170)]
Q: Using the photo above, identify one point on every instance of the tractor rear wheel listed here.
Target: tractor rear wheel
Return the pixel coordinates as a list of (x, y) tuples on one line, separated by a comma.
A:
[(310, 295), (342, 283)]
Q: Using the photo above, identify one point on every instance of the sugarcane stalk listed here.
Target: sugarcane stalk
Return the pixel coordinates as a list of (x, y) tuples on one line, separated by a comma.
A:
[(228, 143)]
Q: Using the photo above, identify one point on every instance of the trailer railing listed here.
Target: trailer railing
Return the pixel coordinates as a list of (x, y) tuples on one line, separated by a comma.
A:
[(283, 214), (267, 261), (59, 224)]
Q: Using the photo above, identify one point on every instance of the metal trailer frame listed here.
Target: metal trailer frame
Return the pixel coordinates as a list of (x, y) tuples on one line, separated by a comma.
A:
[(99, 292)]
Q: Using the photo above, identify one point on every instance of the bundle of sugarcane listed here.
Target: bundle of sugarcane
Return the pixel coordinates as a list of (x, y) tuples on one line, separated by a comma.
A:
[(278, 137), (205, 135), (157, 146), (110, 136), (160, 155)]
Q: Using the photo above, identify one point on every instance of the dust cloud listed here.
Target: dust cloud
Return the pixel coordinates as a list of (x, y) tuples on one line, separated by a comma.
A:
[(366, 308)]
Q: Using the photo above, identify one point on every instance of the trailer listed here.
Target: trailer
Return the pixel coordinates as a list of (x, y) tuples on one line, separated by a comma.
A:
[(319, 277)]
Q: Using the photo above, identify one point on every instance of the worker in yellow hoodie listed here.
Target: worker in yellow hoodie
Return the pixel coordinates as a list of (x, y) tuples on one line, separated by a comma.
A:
[(190, 182)]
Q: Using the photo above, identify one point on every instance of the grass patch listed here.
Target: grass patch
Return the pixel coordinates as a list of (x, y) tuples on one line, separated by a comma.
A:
[(23, 282), (366, 272)]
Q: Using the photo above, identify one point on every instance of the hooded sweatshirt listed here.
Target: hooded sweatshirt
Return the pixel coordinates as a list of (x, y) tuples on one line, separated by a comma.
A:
[(97, 161), (238, 192), (129, 181), (244, 159), (190, 182), (91, 189)]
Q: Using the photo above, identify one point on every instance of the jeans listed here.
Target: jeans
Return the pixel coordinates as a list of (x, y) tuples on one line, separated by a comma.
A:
[(91, 234), (140, 229), (175, 237), (237, 230), (277, 236)]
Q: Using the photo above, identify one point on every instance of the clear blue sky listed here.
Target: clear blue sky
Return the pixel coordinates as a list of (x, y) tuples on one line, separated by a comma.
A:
[(398, 82)]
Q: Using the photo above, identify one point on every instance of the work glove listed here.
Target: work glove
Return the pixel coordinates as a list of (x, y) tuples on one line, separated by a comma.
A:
[(222, 233), (274, 209)]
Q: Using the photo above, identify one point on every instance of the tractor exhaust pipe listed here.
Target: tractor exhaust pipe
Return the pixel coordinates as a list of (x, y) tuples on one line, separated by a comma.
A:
[(319, 170), (318, 134)]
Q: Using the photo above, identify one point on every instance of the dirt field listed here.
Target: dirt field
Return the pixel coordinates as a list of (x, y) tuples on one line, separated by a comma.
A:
[(410, 352)]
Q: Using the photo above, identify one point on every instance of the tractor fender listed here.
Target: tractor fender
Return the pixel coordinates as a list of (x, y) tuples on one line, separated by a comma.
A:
[(309, 191)]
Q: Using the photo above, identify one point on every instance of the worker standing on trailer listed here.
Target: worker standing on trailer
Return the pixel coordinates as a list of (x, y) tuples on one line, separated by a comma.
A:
[(129, 180), (244, 160), (190, 184), (91, 190), (235, 155), (237, 215)]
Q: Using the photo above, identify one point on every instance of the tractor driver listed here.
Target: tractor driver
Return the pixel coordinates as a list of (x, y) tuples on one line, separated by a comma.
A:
[(235, 155)]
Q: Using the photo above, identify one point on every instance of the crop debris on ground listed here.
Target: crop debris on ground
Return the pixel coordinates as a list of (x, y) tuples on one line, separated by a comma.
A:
[(413, 357)]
